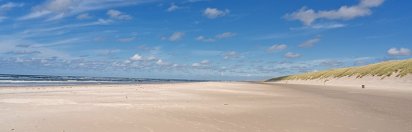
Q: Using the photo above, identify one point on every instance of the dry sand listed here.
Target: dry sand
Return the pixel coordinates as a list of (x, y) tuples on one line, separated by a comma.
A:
[(207, 106), (371, 82)]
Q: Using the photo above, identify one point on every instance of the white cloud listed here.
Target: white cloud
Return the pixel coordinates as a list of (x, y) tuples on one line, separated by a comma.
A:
[(147, 60), (308, 16), (10, 5), (277, 47), (36, 14), (6, 7), (57, 9), (172, 7), (310, 42), (399, 52), (105, 52), (327, 26), (230, 55), (175, 65), (205, 39), (136, 57), (196, 64), (35, 32), (129, 39), (127, 61), (115, 14), (160, 62), (321, 26), (24, 52), (175, 36), (101, 22), (58, 42), (292, 55), (213, 13), (195, 1), (225, 35), (51, 7), (217, 37), (203, 63), (14, 44), (151, 58), (83, 16)]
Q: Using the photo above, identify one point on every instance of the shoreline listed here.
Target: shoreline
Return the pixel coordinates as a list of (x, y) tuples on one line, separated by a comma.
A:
[(93, 84)]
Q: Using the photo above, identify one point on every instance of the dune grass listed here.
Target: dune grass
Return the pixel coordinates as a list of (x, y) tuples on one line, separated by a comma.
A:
[(398, 68)]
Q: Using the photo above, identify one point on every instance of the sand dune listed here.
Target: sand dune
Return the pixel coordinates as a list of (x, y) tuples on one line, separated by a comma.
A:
[(389, 75), (207, 106), (370, 82)]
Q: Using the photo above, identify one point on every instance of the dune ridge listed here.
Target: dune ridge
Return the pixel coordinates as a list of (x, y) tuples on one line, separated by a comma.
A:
[(388, 74)]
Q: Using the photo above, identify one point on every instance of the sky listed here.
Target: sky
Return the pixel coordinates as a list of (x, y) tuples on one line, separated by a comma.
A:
[(199, 39)]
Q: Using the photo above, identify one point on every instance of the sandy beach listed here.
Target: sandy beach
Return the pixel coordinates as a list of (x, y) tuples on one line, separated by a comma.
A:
[(204, 106)]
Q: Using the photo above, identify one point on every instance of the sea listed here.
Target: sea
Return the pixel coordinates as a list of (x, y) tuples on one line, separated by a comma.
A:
[(7, 80)]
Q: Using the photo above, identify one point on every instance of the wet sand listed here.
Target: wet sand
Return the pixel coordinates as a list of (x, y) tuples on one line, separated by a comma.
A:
[(206, 106)]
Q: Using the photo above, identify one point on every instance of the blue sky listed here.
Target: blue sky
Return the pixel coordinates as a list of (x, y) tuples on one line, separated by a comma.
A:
[(199, 39)]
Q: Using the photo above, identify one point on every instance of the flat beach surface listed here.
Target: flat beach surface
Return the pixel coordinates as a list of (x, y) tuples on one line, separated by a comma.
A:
[(204, 106)]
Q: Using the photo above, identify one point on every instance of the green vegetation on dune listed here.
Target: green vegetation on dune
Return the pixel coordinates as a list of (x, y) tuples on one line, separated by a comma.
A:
[(399, 68)]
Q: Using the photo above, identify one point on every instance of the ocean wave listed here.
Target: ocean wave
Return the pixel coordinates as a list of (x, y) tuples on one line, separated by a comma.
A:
[(44, 80)]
